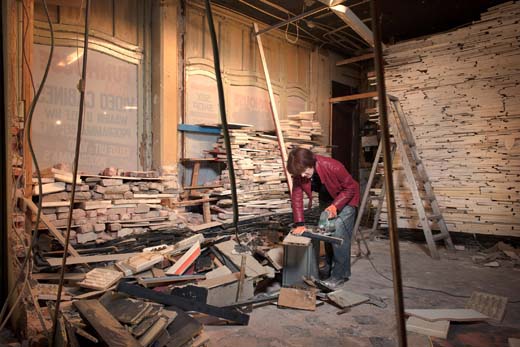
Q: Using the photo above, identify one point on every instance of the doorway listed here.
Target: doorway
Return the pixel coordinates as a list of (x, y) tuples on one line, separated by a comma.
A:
[(345, 136)]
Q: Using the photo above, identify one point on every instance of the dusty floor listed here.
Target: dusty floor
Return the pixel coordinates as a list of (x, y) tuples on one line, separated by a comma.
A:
[(368, 325)]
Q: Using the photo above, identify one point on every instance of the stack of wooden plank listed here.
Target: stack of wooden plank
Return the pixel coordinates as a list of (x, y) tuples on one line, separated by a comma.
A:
[(108, 207), (260, 179), (301, 130), (460, 92)]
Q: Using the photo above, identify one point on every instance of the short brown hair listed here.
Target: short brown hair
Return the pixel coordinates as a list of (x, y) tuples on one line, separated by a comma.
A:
[(299, 160)]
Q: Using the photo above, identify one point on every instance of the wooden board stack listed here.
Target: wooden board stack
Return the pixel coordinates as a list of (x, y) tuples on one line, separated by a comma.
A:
[(113, 205), (260, 179), (460, 92), (301, 130)]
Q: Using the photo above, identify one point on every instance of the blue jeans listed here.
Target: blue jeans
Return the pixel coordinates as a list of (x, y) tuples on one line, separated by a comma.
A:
[(338, 256)]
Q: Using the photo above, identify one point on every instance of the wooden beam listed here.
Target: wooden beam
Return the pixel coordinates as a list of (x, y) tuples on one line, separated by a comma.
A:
[(274, 111), (353, 97), (352, 20), (52, 229), (165, 82), (91, 258), (355, 59)]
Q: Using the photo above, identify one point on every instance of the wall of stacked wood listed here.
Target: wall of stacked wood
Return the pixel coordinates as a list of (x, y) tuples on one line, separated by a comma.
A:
[(461, 94)]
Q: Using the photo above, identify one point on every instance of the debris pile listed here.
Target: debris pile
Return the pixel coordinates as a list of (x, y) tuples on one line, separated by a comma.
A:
[(157, 288)]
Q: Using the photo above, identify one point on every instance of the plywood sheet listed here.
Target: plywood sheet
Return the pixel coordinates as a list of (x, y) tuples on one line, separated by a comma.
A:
[(459, 315), (297, 298), (437, 329)]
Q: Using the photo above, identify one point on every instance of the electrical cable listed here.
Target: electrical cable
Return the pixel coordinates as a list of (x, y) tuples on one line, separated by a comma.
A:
[(225, 130), (28, 134), (81, 86)]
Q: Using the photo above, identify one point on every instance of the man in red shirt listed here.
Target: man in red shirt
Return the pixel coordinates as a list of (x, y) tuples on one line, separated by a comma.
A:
[(338, 194)]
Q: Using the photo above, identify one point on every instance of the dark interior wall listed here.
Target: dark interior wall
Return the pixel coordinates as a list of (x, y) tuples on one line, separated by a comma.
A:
[(345, 130)]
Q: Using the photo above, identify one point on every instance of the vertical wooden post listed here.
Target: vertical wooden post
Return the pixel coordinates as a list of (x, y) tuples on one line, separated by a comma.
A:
[(27, 92), (274, 111), (165, 82)]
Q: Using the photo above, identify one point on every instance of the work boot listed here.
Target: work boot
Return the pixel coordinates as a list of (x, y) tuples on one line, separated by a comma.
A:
[(333, 282)]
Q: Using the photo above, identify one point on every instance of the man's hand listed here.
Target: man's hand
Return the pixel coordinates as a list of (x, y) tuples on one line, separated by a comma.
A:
[(333, 211), (298, 230)]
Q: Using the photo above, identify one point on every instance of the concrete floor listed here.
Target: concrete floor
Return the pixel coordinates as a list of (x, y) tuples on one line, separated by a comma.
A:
[(368, 325)]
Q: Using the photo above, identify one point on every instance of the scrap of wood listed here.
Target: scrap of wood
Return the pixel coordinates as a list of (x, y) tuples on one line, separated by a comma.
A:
[(100, 279), (344, 298), (107, 327), (184, 244), (143, 261), (183, 303), (92, 294), (218, 272), (295, 240), (90, 259), (185, 261), (436, 329), (196, 228), (201, 340), (253, 267), (154, 331), (49, 188), (157, 281), (45, 291), (275, 257), (490, 305), (56, 276), (297, 298), (182, 329), (459, 315)]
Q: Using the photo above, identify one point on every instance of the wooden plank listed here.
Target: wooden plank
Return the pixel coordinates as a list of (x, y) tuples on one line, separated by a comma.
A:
[(182, 329), (295, 240), (165, 280), (183, 303), (108, 328), (185, 261), (353, 97), (52, 229), (197, 228), (90, 259), (297, 298), (274, 111), (355, 59), (436, 329), (100, 279), (354, 22), (344, 298), (253, 267), (459, 315)]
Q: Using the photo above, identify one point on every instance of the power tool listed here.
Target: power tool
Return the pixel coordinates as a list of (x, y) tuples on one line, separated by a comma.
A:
[(326, 225)]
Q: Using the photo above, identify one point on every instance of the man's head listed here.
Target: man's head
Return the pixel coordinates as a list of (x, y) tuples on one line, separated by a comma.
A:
[(301, 162)]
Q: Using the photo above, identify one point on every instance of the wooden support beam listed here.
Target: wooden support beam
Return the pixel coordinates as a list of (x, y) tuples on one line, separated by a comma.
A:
[(353, 97), (52, 229), (274, 111), (355, 59), (354, 22)]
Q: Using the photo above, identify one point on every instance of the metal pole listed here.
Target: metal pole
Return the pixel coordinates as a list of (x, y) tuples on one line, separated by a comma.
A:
[(390, 200), (290, 20), (81, 86)]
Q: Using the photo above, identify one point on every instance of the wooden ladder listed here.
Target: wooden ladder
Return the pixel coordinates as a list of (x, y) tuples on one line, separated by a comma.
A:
[(405, 144)]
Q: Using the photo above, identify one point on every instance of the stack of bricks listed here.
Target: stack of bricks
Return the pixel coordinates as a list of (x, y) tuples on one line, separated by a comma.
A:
[(112, 205)]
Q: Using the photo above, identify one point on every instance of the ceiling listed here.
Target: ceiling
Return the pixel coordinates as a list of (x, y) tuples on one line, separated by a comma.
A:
[(401, 20)]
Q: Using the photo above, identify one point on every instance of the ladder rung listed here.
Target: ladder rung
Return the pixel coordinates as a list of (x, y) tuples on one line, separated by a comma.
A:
[(440, 237)]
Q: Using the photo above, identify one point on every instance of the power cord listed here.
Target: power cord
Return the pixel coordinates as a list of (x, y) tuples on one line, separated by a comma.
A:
[(28, 135), (420, 288)]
